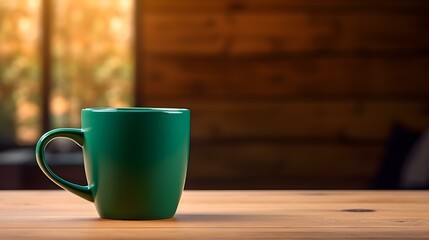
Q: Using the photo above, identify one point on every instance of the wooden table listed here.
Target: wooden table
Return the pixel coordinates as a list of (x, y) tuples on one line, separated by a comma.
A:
[(226, 215)]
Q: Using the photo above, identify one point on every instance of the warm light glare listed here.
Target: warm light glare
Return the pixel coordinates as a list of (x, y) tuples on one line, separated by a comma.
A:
[(92, 58), (91, 62), (20, 89)]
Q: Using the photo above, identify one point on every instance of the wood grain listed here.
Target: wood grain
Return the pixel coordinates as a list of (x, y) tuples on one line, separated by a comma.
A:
[(275, 86), (282, 165), (185, 6), (211, 78), (290, 160), (345, 120), (243, 34), (226, 215)]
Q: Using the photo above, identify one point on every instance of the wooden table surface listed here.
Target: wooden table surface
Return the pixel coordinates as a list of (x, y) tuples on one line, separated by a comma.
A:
[(226, 215)]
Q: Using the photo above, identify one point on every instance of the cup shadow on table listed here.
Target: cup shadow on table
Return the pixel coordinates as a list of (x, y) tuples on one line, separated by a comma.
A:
[(205, 217), (182, 217)]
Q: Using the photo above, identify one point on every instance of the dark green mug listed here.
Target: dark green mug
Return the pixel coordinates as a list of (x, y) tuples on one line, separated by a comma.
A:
[(135, 160)]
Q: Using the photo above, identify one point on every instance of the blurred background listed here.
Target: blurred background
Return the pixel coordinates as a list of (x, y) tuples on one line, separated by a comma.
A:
[(284, 94)]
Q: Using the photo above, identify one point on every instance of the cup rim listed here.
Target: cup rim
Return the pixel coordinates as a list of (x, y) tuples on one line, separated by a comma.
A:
[(134, 109)]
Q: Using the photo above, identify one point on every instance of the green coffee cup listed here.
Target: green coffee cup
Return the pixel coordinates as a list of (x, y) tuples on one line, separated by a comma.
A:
[(135, 160)]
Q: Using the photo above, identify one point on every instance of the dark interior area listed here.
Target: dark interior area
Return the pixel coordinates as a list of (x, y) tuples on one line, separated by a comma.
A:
[(283, 94)]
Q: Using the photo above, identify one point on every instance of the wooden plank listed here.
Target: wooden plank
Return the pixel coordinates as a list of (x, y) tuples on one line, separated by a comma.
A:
[(226, 215), (282, 165), (276, 183), (273, 5), (260, 159), (301, 119), (273, 33), (296, 77), (370, 233)]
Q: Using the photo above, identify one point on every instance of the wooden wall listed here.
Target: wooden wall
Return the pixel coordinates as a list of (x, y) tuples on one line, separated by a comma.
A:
[(286, 93)]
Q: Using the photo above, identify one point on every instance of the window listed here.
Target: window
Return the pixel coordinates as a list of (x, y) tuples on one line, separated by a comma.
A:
[(90, 62)]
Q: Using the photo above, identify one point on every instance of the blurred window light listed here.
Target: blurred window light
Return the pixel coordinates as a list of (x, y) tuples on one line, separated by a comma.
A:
[(20, 88), (91, 63)]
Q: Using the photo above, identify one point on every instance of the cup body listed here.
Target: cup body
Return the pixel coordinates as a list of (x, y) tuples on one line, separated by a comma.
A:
[(135, 160)]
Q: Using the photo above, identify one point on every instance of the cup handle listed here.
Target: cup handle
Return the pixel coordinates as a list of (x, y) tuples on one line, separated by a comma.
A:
[(77, 136)]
